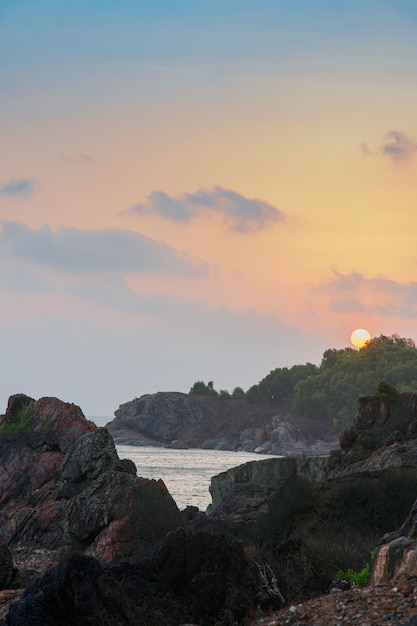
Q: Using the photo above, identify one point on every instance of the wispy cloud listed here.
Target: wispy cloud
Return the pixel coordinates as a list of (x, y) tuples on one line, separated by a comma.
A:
[(356, 292), (397, 145), (18, 187), (241, 214), (76, 251)]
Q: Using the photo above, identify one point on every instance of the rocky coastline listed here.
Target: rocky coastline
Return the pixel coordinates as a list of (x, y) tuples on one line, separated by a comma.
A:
[(180, 420), (77, 524)]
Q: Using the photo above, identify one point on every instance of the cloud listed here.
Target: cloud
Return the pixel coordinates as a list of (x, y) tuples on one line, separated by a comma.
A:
[(240, 214), (75, 251), (380, 295), (18, 188), (399, 146)]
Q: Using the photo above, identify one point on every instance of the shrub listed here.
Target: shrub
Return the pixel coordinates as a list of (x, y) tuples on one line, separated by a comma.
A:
[(357, 578), (17, 423)]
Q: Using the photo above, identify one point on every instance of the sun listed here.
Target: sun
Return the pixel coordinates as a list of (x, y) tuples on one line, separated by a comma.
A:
[(360, 337)]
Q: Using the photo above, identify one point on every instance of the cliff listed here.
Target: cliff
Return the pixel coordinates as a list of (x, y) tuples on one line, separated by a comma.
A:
[(383, 435), (207, 421), (63, 486)]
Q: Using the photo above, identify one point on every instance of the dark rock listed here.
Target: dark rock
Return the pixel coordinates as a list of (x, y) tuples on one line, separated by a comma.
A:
[(223, 445), (178, 445), (210, 444), (6, 566), (379, 422), (244, 502), (62, 486), (195, 577), (208, 420)]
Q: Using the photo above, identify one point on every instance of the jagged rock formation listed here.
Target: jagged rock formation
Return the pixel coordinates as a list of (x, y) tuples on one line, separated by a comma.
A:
[(383, 435), (212, 422), (311, 513), (191, 577), (63, 486)]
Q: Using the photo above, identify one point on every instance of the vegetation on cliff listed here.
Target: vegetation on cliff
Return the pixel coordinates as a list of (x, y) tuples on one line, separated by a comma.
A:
[(329, 392)]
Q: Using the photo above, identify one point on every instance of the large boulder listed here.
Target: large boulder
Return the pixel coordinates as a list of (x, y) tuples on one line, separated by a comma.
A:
[(191, 577), (63, 486)]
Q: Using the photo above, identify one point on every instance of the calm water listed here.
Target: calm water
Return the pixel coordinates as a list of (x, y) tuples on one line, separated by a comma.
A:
[(186, 473)]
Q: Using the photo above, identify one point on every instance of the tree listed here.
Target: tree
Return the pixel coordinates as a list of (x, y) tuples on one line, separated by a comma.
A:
[(200, 388)]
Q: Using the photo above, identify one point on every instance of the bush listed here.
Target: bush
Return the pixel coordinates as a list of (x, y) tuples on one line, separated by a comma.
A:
[(17, 423), (357, 578)]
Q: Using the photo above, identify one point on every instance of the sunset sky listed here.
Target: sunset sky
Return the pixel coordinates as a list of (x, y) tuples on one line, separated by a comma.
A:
[(200, 190)]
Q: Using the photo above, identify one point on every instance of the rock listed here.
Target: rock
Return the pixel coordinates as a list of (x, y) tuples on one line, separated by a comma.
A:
[(244, 502), (63, 487), (265, 448), (192, 577), (178, 445), (269, 473), (396, 555), (210, 444), (201, 420), (6, 566), (381, 420), (223, 445), (166, 417)]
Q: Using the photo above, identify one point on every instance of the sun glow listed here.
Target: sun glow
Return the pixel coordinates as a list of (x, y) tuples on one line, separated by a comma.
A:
[(360, 337)]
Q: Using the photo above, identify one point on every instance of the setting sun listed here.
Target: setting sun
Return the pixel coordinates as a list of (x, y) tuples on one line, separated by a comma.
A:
[(360, 337)]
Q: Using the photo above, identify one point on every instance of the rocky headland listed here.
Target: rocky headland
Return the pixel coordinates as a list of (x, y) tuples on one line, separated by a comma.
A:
[(83, 540), (211, 422)]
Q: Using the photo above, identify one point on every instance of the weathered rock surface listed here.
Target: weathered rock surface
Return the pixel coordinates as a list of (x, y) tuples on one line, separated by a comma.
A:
[(383, 435), (314, 511), (212, 422), (62, 486), (6, 566), (381, 420), (191, 577)]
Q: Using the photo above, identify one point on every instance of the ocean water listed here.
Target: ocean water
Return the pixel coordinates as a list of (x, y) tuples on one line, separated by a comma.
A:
[(186, 473)]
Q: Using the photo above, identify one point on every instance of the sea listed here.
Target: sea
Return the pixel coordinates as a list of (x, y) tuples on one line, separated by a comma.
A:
[(186, 473)]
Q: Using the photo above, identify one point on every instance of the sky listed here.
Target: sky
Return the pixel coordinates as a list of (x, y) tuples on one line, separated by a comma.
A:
[(201, 190)]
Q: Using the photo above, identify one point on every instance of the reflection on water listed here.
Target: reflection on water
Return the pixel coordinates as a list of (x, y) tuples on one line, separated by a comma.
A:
[(186, 473)]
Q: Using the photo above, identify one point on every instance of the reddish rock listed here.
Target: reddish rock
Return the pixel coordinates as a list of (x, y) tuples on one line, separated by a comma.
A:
[(63, 486)]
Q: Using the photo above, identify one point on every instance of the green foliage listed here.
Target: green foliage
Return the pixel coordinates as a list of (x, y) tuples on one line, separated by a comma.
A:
[(385, 389), (238, 392), (357, 578), (17, 423), (330, 391), (200, 388)]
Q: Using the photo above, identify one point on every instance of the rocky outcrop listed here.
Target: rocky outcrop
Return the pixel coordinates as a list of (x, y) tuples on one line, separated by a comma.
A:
[(382, 436), (268, 474), (396, 556), (212, 422), (192, 577), (380, 421), (63, 487)]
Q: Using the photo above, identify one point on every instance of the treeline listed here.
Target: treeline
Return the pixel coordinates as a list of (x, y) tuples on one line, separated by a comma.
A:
[(330, 391)]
